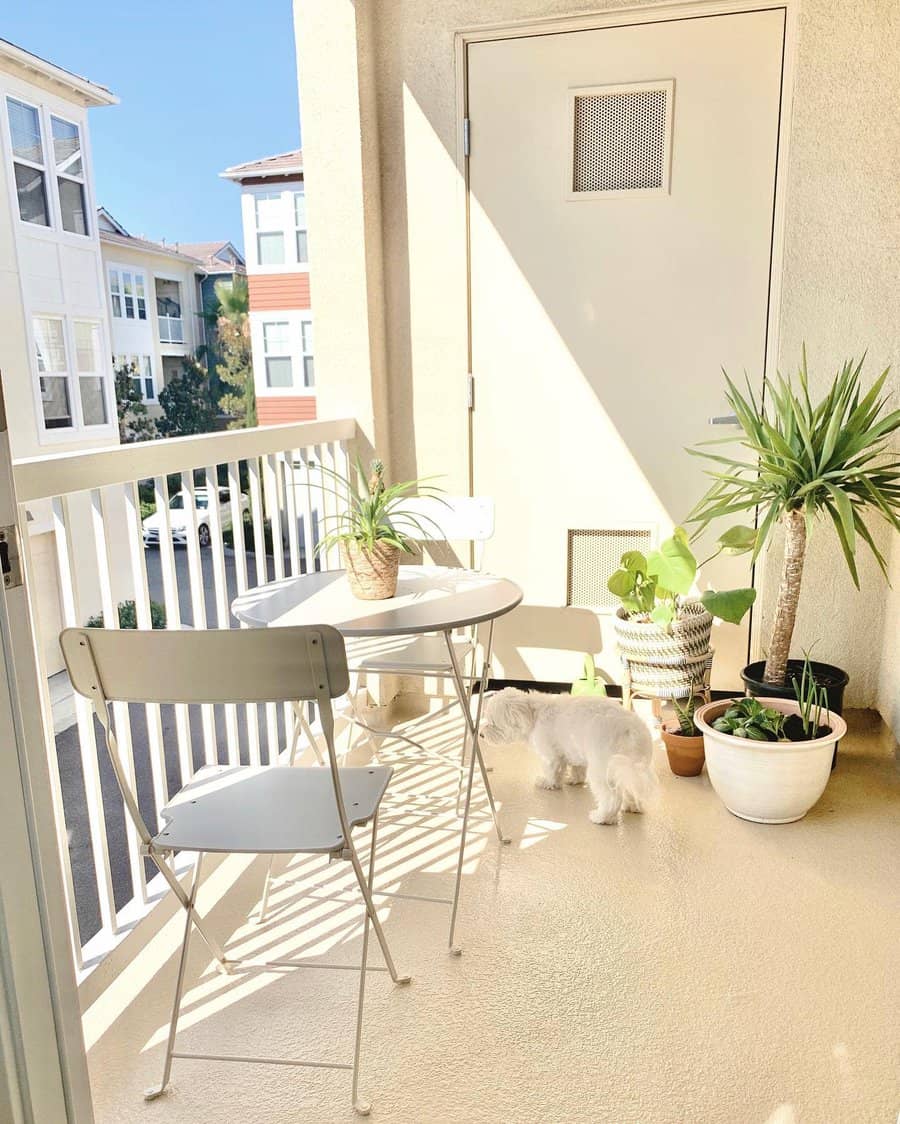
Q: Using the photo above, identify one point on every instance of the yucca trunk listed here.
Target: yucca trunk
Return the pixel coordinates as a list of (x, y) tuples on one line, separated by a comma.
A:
[(788, 597)]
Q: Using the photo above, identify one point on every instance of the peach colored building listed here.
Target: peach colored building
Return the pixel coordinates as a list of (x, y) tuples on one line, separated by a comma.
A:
[(273, 209)]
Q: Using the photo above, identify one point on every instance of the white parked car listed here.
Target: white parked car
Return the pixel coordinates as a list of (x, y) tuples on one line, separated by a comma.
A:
[(182, 518)]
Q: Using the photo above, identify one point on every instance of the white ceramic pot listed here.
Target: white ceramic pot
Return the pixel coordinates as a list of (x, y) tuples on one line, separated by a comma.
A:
[(768, 782)]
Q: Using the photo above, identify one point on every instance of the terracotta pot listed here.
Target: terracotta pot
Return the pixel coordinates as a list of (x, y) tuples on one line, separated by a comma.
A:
[(685, 754), (372, 574)]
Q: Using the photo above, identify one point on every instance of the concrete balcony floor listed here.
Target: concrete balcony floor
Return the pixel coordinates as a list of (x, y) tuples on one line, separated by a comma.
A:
[(682, 966)]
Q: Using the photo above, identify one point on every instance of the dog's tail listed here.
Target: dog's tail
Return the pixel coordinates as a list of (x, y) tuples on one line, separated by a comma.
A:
[(634, 781)]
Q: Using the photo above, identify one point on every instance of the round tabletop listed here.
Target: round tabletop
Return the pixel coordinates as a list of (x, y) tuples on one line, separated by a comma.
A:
[(428, 599)]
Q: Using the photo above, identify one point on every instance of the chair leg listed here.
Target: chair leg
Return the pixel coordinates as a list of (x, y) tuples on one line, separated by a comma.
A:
[(157, 1090), (211, 943), (363, 1107), (370, 907), (301, 724)]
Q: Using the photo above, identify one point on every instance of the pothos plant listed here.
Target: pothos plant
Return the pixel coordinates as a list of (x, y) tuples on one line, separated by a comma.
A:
[(654, 586)]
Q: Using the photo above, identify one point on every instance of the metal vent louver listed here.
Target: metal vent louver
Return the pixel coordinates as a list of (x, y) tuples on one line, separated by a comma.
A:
[(592, 557), (621, 138)]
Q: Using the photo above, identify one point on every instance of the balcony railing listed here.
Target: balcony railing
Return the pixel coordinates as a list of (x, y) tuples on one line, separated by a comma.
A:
[(171, 329), (92, 505)]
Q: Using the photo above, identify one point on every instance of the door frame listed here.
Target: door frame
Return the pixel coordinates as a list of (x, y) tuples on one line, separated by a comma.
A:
[(625, 17)]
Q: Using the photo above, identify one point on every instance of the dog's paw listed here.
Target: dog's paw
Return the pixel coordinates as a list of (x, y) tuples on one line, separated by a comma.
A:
[(547, 783), (598, 815), (576, 776)]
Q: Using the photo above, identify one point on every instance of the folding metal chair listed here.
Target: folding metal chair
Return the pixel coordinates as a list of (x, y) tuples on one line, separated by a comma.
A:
[(240, 809)]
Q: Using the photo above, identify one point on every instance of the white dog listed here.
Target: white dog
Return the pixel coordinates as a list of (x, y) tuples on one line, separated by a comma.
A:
[(593, 736)]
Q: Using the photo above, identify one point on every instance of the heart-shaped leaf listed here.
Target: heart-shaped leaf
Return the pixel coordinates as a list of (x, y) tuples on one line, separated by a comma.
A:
[(729, 604), (621, 583), (663, 614), (634, 561), (673, 565), (738, 540)]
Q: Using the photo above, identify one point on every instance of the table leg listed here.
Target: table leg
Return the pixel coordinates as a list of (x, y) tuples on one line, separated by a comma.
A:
[(472, 726)]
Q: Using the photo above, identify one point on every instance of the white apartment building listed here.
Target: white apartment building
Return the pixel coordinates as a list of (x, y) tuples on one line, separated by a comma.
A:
[(155, 305)]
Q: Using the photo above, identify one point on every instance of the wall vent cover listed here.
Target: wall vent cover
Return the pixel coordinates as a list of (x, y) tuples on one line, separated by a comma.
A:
[(621, 139), (592, 557)]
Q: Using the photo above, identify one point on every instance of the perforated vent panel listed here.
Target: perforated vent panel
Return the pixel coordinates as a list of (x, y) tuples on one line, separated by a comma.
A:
[(593, 556), (620, 139)]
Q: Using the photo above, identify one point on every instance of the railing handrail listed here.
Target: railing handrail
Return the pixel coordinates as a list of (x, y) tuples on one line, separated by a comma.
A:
[(60, 474)]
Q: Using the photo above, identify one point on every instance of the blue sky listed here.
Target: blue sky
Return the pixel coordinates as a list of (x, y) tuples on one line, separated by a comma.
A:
[(202, 84)]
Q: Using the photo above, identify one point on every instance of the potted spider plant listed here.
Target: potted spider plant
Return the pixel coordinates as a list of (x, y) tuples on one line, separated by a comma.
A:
[(367, 530), (804, 463), (769, 759), (683, 739), (662, 631)]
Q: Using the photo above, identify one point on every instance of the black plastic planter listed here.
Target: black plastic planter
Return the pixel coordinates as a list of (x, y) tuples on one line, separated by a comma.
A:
[(833, 679)]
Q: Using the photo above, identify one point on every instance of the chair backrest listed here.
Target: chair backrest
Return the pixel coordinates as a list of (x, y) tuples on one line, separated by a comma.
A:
[(206, 666), (448, 518)]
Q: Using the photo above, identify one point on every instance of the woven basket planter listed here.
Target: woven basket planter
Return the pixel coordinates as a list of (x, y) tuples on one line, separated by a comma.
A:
[(372, 574), (661, 664)]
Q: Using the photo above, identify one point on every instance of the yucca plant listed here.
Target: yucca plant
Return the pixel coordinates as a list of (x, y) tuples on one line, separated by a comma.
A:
[(805, 461), (375, 512)]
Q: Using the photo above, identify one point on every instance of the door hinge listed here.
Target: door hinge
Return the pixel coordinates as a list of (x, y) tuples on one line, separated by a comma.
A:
[(470, 391), (467, 137), (9, 557)]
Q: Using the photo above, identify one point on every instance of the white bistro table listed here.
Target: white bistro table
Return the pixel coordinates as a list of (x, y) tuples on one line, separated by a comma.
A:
[(429, 599)]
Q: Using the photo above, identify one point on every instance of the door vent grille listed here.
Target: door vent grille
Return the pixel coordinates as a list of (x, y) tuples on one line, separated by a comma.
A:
[(592, 557), (621, 138)]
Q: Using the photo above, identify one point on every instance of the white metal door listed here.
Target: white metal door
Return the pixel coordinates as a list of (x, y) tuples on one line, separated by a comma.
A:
[(43, 1074), (622, 188)]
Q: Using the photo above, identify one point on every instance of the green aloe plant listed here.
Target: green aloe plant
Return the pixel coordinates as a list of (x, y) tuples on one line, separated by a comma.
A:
[(803, 461)]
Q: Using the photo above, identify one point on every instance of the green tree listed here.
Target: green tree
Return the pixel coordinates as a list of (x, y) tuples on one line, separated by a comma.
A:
[(187, 402), (235, 367), (135, 424)]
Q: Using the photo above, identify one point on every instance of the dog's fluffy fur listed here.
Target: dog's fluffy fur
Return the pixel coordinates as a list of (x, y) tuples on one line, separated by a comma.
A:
[(595, 737)]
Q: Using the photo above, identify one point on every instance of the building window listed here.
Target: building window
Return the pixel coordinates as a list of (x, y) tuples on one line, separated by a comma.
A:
[(306, 337), (168, 311), (128, 294), (277, 350), (91, 383), (141, 369), (69, 175), (269, 229), (28, 162), (300, 224), (53, 372)]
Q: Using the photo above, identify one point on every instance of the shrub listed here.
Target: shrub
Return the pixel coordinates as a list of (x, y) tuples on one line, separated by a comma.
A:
[(249, 543), (128, 616)]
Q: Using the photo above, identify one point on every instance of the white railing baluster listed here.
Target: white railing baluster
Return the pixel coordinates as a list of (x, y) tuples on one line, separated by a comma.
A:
[(70, 604), (173, 613), (262, 576), (251, 710), (99, 522), (134, 535), (59, 812), (198, 613), (288, 474), (330, 501), (306, 458), (223, 604)]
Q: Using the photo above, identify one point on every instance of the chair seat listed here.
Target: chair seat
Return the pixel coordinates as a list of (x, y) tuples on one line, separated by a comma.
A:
[(418, 654), (269, 809)]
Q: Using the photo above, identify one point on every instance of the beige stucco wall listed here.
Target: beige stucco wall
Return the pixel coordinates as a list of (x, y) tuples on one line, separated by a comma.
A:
[(394, 112)]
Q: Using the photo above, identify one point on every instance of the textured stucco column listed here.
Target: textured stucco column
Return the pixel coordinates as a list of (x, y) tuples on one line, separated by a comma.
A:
[(340, 147)]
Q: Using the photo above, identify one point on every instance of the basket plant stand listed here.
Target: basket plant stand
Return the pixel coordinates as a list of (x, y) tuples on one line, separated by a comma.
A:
[(660, 664)]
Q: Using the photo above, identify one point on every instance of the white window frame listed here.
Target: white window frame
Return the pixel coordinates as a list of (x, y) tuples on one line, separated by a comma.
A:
[(170, 320), (98, 371), (307, 352), (278, 227), (288, 354), (14, 160), (80, 180), (295, 319), (300, 191), (54, 229), (78, 431), (144, 372), (134, 272)]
